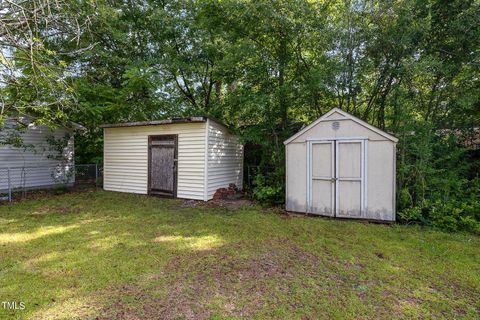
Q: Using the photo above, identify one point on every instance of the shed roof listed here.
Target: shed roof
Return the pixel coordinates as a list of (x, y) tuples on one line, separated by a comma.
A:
[(162, 122), (347, 115), (155, 122)]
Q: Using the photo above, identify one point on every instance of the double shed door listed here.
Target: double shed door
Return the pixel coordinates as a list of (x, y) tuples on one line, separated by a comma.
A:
[(337, 178), (162, 165)]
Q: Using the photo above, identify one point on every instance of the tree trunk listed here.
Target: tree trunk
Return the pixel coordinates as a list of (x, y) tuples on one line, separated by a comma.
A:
[(282, 100)]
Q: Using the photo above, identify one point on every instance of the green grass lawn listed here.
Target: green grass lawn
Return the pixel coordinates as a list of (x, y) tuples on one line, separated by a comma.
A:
[(121, 256)]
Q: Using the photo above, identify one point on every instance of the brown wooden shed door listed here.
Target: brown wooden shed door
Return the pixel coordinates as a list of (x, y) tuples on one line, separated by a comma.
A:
[(162, 175)]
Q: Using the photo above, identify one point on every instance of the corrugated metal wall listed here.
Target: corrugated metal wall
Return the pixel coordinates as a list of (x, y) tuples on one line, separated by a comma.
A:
[(225, 159), (33, 167), (126, 158)]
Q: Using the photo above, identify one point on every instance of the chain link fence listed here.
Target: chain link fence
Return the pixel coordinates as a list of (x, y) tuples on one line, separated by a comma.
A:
[(16, 182)]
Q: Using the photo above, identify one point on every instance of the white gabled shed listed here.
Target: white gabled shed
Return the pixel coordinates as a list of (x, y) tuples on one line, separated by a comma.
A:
[(187, 158), (341, 166)]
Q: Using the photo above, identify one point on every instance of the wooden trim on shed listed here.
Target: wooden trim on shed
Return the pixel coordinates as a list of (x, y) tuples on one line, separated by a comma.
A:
[(173, 137)]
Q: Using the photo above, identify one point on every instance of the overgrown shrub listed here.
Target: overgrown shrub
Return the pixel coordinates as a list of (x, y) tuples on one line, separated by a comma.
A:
[(268, 191), (410, 215), (461, 212)]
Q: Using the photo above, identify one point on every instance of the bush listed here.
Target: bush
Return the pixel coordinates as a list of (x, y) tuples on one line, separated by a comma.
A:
[(449, 216), (459, 213), (268, 192), (438, 183), (411, 215)]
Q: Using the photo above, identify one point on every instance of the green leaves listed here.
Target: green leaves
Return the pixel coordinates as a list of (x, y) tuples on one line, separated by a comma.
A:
[(265, 68)]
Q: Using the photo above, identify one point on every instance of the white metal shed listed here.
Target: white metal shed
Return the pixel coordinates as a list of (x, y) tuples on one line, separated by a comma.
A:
[(341, 166), (187, 158)]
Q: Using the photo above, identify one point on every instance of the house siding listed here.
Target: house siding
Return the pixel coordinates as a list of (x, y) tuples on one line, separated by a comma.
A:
[(126, 158), (225, 159), (33, 166)]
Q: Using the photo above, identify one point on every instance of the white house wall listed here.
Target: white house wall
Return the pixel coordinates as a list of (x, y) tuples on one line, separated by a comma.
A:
[(126, 158), (31, 166), (225, 159)]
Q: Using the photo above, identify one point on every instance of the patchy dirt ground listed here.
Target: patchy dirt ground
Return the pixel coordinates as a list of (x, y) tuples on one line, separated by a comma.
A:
[(239, 286), (233, 204)]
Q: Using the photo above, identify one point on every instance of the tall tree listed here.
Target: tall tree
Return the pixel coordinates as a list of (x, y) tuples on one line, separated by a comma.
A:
[(33, 74)]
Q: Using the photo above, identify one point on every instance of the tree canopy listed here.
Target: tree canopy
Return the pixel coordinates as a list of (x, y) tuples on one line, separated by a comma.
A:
[(410, 67)]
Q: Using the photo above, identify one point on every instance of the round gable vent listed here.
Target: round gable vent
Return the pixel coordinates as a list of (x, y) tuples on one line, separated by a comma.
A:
[(335, 125)]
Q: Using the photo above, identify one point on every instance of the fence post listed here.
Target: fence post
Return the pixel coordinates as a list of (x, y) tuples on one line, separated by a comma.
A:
[(96, 174), (9, 186)]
